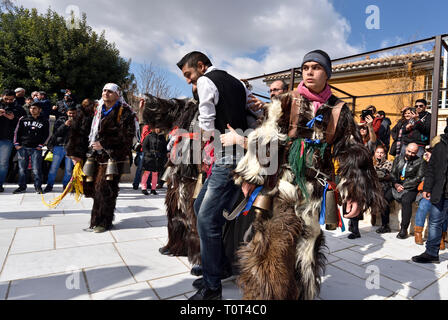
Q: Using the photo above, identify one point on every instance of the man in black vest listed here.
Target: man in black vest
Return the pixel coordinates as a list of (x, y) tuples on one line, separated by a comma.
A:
[(223, 101)]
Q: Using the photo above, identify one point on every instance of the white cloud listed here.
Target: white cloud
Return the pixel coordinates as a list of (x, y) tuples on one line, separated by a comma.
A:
[(233, 33)]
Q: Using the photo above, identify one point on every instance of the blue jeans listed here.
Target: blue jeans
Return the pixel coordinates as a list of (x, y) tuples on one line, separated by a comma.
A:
[(214, 196), (59, 154), (36, 161), (437, 223), (138, 171), (423, 209), (5, 153)]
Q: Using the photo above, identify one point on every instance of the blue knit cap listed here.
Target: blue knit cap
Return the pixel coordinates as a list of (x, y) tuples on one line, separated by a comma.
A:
[(321, 57)]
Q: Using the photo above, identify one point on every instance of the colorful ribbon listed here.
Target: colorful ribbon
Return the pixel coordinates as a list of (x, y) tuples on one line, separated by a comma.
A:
[(251, 200), (310, 123)]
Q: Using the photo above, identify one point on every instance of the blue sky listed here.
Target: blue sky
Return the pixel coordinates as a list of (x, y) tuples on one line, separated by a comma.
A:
[(251, 37)]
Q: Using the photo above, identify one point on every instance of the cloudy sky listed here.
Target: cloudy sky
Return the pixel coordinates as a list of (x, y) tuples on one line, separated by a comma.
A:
[(249, 37)]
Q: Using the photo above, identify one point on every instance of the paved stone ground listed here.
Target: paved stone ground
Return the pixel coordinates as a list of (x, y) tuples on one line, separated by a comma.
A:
[(45, 254)]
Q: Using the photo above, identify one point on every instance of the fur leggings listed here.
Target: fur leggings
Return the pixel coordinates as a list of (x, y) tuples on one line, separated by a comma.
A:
[(104, 194)]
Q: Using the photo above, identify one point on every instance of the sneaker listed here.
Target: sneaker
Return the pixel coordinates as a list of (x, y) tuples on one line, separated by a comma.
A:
[(2, 189), (154, 192), (19, 190), (383, 229), (39, 190), (425, 258), (48, 188), (145, 192), (207, 294), (99, 229)]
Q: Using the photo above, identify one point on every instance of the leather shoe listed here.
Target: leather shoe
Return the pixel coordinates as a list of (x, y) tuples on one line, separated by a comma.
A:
[(165, 251), (354, 235), (145, 192), (199, 282), (207, 294), (403, 234), (425, 258), (383, 229), (196, 270)]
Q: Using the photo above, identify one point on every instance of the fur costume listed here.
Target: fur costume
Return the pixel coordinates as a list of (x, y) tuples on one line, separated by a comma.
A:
[(183, 238), (116, 134), (284, 259)]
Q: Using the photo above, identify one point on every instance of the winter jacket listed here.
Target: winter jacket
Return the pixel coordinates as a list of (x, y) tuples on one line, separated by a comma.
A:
[(154, 152), (60, 133), (62, 108), (436, 175), (7, 126), (413, 175), (420, 131), (384, 132), (31, 132)]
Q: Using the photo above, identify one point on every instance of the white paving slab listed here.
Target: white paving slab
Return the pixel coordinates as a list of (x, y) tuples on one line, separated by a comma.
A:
[(173, 286), (28, 265), (33, 239), (138, 291), (341, 285), (64, 286), (436, 291), (108, 277), (6, 236), (406, 273), (66, 219), (82, 238), (145, 253), (3, 290)]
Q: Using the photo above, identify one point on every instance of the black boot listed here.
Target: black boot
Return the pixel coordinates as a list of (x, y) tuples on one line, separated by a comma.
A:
[(425, 258), (403, 234), (354, 229), (383, 229), (145, 192), (196, 270), (207, 294)]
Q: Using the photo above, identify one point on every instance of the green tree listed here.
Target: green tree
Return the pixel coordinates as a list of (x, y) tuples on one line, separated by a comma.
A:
[(43, 52)]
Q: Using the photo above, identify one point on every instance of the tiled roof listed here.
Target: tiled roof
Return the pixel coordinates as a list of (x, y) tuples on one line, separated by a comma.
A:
[(388, 61)]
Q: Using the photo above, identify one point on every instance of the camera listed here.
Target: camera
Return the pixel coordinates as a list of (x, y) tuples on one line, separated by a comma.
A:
[(365, 113)]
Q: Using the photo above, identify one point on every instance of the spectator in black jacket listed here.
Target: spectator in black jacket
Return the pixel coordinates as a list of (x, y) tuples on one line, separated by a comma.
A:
[(30, 136), (62, 106), (407, 173), (418, 128), (435, 189), (384, 131), (56, 144), (9, 115)]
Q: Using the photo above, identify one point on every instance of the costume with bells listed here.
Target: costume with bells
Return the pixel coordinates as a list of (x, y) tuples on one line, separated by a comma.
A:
[(284, 258), (115, 130), (179, 116)]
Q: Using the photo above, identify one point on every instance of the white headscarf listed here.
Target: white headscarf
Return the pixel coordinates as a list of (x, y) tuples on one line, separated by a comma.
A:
[(97, 116)]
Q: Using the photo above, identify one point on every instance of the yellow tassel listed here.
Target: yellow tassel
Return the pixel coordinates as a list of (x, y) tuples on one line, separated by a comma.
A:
[(74, 183)]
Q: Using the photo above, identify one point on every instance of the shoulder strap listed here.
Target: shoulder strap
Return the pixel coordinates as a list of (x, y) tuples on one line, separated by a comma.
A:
[(335, 113)]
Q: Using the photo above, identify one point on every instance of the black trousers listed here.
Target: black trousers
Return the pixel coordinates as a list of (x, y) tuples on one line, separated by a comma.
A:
[(406, 207)]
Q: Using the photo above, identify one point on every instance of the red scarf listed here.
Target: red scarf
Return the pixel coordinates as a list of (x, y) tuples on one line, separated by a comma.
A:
[(317, 99)]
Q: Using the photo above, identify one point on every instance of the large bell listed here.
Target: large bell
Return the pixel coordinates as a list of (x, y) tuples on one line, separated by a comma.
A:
[(263, 202), (331, 211), (166, 174), (111, 169), (89, 169)]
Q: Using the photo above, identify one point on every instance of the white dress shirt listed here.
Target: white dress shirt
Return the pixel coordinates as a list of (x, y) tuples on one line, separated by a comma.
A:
[(208, 99)]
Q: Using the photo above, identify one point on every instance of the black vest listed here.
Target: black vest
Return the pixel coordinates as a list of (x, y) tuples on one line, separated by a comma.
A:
[(231, 107)]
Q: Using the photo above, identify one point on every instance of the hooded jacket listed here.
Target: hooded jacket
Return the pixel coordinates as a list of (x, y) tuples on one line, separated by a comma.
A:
[(31, 132)]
